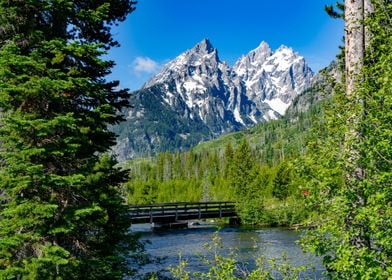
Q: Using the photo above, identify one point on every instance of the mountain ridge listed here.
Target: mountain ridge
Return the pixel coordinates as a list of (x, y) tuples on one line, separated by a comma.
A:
[(197, 89)]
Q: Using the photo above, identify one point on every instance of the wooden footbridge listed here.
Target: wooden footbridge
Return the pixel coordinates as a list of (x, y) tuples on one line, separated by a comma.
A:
[(180, 212)]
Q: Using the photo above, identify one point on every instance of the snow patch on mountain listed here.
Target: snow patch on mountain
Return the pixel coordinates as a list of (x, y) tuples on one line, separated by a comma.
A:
[(237, 116), (278, 105)]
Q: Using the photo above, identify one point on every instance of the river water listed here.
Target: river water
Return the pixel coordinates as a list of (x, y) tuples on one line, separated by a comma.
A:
[(246, 243)]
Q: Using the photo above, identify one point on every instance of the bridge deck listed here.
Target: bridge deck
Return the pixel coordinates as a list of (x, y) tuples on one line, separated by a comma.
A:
[(181, 211)]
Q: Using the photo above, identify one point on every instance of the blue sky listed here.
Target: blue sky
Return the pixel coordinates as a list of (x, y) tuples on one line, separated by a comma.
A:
[(160, 30)]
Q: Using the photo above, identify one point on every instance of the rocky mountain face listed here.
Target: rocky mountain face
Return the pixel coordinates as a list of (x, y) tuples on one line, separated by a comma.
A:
[(197, 97), (274, 78), (320, 88)]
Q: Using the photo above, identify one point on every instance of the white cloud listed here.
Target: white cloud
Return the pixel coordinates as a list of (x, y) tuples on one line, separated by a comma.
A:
[(145, 65)]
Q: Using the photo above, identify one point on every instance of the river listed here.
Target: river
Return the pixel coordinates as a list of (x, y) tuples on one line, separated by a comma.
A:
[(249, 243)]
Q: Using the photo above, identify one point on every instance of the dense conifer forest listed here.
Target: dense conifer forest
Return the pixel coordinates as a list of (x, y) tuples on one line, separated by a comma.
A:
[(255, 168)]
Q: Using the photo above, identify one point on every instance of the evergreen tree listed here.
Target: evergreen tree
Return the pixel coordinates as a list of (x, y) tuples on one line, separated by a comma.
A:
[(242, 174), (281, 181), (228, 159), (61, 213)]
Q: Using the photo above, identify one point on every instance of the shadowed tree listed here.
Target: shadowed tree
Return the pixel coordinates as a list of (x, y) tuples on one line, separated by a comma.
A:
[(61, 213)]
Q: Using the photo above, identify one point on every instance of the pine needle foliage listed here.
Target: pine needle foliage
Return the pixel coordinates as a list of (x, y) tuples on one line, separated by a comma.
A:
[(61, 212)]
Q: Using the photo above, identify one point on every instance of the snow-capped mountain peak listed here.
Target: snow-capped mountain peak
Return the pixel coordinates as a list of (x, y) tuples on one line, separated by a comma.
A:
[(197, 97), (201, 55), (248, 63), (269, 80), (261, 52), (282, 59), (204, 46), (284, 48), (273, 78)]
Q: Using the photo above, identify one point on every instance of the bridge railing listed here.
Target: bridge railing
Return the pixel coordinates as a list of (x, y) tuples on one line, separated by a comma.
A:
[(181, 210)]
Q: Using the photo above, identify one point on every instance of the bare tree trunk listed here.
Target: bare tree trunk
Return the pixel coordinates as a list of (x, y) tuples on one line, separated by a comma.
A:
[(368, 9), (354, 12), (357, 40)]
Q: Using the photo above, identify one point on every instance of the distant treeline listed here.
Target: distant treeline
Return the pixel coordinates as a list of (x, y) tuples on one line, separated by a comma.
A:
[(255, 168)]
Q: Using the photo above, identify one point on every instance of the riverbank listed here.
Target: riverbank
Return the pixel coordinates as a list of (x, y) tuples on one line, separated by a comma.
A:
[(246, 244)]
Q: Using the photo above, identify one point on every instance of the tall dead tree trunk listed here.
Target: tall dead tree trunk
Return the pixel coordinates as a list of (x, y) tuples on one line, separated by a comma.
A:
[(357, 40), (368, 9), (354, 13)]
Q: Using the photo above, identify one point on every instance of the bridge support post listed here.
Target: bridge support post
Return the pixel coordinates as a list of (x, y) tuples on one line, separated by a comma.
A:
[(235, 221)]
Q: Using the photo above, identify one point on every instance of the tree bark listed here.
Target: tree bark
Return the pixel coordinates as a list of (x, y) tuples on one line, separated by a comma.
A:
[(354, 13), (368, 9), (357, 41)]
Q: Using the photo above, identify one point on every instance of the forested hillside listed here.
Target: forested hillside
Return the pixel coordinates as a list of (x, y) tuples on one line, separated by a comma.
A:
[(256, 164)]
